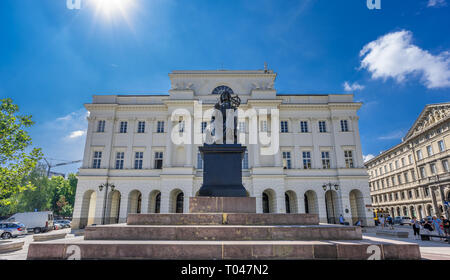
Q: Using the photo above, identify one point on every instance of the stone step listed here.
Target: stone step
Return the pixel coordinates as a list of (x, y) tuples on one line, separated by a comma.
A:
[(223, 250), (222, 232), (223, 219)]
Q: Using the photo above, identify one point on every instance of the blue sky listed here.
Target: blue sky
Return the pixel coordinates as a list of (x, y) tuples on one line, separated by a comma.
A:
[(52, 59)]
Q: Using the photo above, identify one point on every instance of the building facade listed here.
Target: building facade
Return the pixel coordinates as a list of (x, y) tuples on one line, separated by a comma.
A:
[(130, 144), (413, 178)]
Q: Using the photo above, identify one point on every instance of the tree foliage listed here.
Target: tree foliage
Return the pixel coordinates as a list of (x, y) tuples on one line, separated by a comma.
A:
[(16, 163)]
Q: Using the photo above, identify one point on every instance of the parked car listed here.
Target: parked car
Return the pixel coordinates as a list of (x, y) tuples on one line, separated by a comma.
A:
[(402, 220), (34, 221), (10, 229), (64, 223), (58, 225)]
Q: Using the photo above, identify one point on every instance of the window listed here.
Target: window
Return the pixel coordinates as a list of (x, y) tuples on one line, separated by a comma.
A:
[(263, 126), (306, 160), (390, 197), (284, 127), (396, 196), (381, 171), (419, 155), (97, 160), (181, 125), (322, 127), (390, 166), (303, 126), (241, 127), (245, 161), (410, 159), (410, 196), (441, 146), (423, 173), (402, 194), (287, 160), (393, 180), (429, 150), (427, 192), (199, 161), (399, 179), (119, 160), (123, 127), (403, 162), (138, 159), (348, 155), (445, 165), (326, 160), (344, 125), (417, 193), (160, 127), (406, 177), (433, 168), (396, 164), (413, 175), (385, 169), (158, 160), (101, 126), (141, 127)]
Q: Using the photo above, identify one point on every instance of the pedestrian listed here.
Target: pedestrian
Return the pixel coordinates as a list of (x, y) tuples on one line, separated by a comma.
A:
[(390, 221), (446, 225), (437, 226), (381, 219), (416, 228), (358, 223), (341, 220)]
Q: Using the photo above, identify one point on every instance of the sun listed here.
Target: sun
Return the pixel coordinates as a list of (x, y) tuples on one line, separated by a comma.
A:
[(110, 8)]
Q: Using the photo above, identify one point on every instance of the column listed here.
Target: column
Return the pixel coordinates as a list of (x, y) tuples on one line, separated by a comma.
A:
[(322, 208), (281, 203), (258, 197), (123, 211), (168, 152), (147, 164), (100, 208), (144, 202), (296, 158), (256, 152), (165, 199), (301, 203), (128, 164), (87, 148)]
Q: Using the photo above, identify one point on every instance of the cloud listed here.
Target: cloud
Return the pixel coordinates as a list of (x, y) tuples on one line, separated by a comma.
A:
[(436, 3), (368, 157), (76, 134), (352, 87), (393, 135), (394, 56)]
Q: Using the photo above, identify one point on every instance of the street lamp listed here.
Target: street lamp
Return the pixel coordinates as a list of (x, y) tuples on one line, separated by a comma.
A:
[(329, 186), (106, 186)]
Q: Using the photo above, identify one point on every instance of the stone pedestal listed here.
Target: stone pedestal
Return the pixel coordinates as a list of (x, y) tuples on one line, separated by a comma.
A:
[(222, 204), (222, 170)]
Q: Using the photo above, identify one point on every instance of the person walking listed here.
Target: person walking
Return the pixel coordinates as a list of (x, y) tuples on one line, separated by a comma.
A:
[(446, 225), (416, 228), (437, 226), (341, 220), (390, 221), (381, 219)]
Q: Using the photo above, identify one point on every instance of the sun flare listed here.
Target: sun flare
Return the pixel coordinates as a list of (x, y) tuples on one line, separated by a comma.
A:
[(110, 8)]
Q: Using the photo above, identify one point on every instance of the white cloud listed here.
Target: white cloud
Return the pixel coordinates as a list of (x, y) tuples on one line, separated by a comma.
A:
[(76, 134), (436, 3), (393, 135), (368, 157), (394, 56), (352, 87)]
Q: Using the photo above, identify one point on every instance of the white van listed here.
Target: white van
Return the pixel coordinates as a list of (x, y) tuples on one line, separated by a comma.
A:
[(35, 221)]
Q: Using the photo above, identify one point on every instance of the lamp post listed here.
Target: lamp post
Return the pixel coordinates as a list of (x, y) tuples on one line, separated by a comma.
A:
[(106, 186), (329, 186)]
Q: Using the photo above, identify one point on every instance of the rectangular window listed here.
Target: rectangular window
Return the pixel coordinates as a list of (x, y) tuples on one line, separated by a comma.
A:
[(348, 155), (423, 173), (306, 160), (119, 160), (402, 194), (241, 127), (396, 196), (417, 194), (284, 127), (263, 126), (160, 127), (419, 155), (441, 146), (97, 160), (158, 160), (199, 161), (433, 168), (429, 150), (390, 167), (123, 127), (287, 160), (385, 169), (406, 177), (245, 161), (427, 192), (403, 162), (399, 179), (101, 126), (203, 127), (396, 164), (410, 159), (326, 160), (413, 175), (410, 196), (303, 126), (445, 165), (138, 159), (322, 126), (141, 127), (344, 125)]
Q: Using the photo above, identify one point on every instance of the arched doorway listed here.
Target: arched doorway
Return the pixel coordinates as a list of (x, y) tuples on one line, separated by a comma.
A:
[(311, 202), (398, 211), (177, 201), (134, 202), (291, 202), (269, 201), (429, 210), (412, 211), (180, 203), (357, 206), (420, 210), (405, 211), (154, 202), (113, 207), (88, 206), (331, 204)]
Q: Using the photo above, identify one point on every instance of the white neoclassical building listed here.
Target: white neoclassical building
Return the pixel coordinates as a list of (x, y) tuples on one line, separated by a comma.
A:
[(130, 145)]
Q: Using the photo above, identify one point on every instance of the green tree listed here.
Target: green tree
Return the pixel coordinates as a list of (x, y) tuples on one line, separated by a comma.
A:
[(15, 163)]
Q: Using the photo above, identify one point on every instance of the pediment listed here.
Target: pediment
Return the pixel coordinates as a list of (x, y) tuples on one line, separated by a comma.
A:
[(431, 115)]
